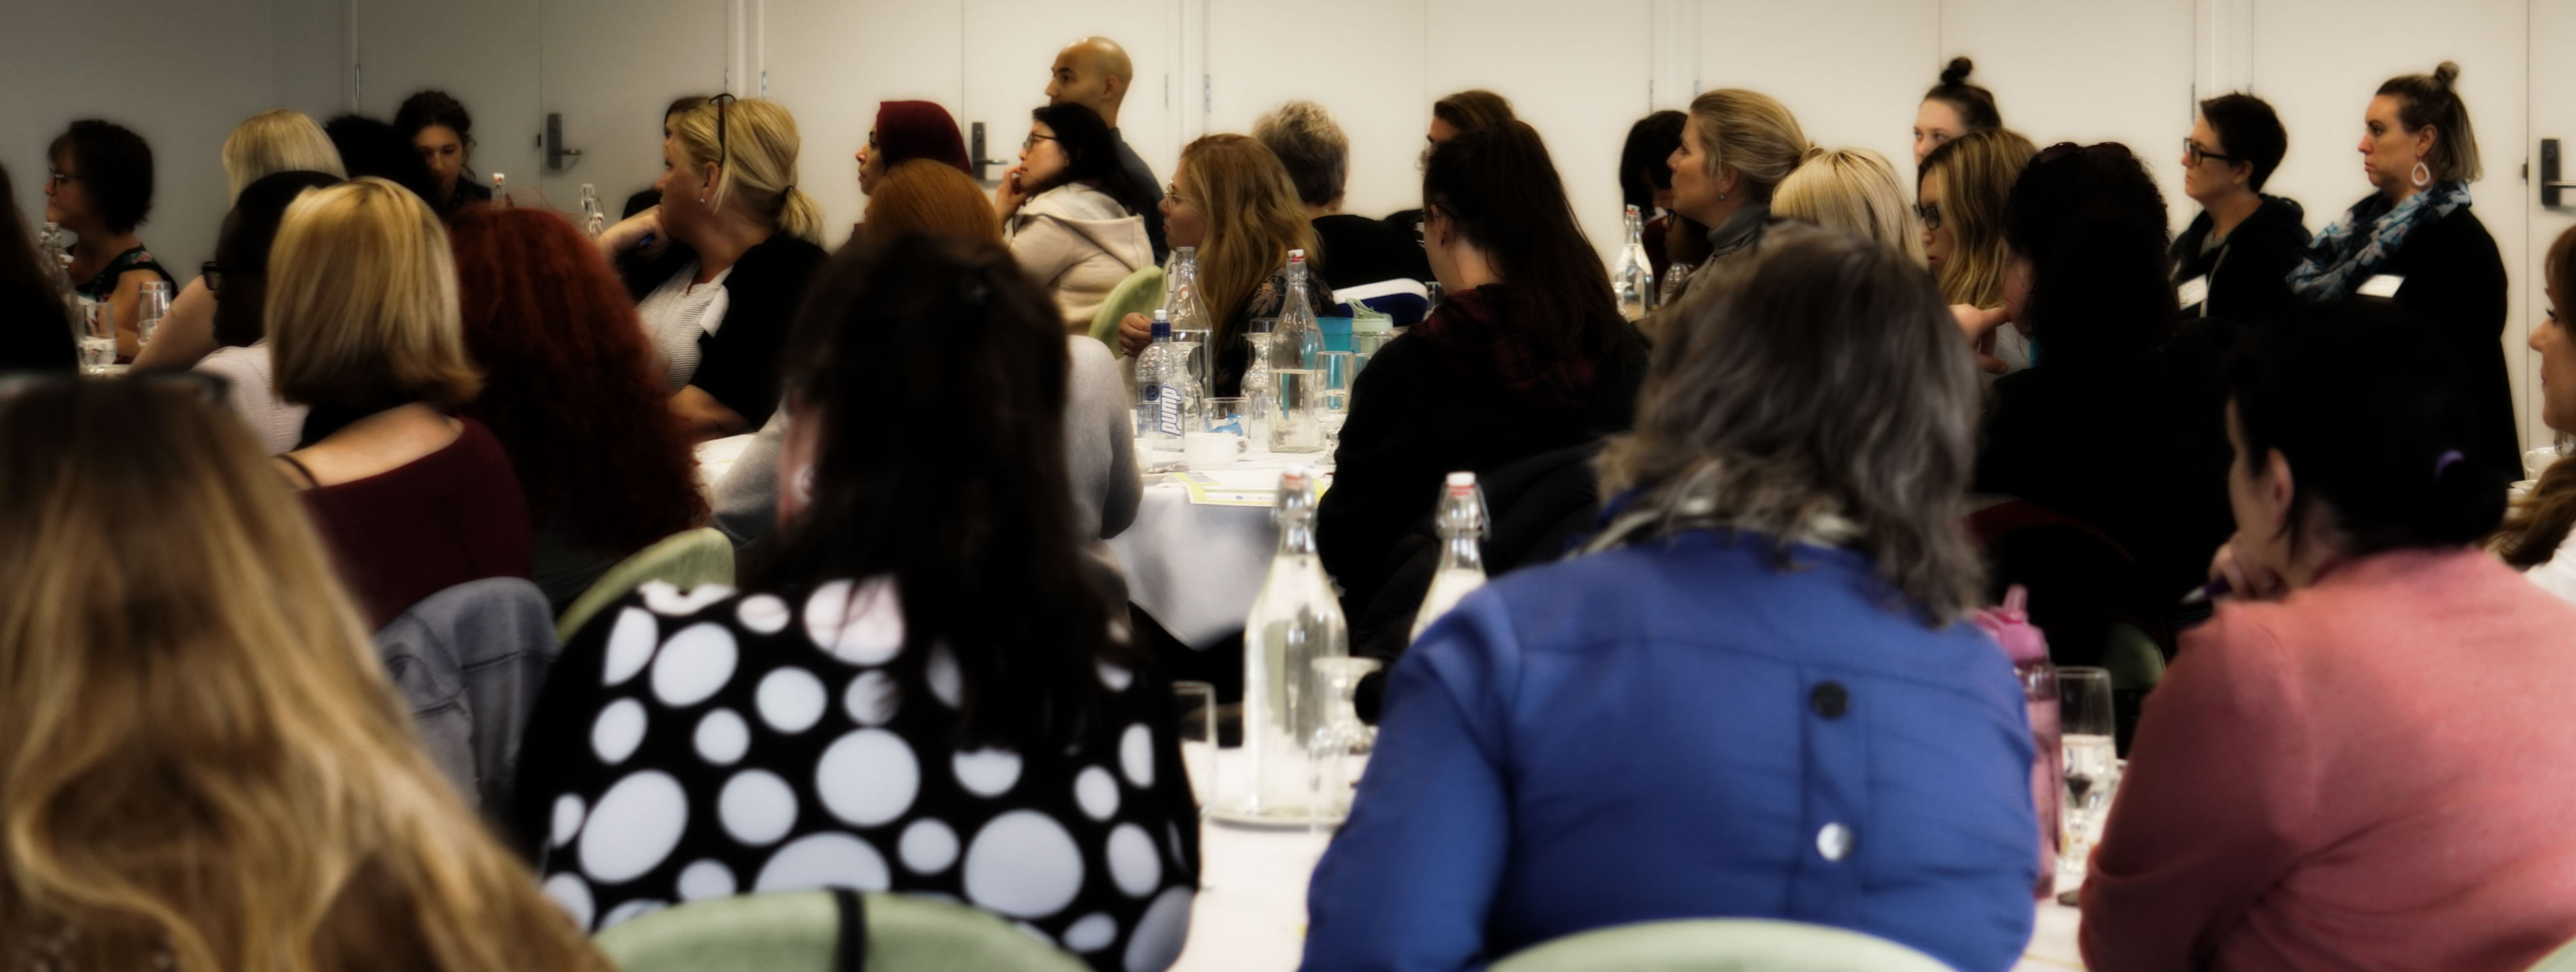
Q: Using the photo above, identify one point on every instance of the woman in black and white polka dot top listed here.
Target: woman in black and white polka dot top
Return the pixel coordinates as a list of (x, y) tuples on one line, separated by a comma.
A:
[(924, 690)]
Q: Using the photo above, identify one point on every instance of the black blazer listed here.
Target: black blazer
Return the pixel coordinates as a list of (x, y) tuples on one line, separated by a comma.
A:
[(738, 364), (2456, 279), (2248, 274)]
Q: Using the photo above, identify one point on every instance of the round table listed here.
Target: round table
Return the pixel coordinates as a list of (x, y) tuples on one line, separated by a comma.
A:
[(1250, 915), (1196, 565)]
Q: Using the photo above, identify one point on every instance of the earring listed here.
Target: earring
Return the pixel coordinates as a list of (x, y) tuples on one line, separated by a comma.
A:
[(1721, 197), (2423, 176), (702, 200)]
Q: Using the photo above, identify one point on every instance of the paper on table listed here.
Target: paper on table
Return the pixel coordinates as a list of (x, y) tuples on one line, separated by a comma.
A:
[(1238, 487)]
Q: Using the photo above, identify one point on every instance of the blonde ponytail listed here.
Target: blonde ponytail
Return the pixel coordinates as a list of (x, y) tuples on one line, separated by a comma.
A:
[(801, 217)]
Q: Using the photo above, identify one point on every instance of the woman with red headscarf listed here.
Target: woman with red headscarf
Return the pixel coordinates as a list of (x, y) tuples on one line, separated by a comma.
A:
[(572, 391), (907, 130)]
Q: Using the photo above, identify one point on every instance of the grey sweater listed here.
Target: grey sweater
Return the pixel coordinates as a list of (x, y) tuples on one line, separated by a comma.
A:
[(1100, 458)]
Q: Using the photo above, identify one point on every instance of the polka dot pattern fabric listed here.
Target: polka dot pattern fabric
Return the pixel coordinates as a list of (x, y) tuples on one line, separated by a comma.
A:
[(708, 744)]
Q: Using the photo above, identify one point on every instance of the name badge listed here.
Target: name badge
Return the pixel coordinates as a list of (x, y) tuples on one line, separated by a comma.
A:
[(2193, 292), (2382, 285)]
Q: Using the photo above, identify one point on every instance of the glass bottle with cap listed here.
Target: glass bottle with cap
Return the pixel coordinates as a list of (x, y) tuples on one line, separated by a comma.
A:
[(1295, 620), (1461, 522), (1633, 280)]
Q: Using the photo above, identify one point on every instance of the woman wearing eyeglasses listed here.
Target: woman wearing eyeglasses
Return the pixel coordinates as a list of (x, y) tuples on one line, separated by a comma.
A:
[(101, 189), (2235, 259), (1071, 214), (717, 268), (1959, 195)]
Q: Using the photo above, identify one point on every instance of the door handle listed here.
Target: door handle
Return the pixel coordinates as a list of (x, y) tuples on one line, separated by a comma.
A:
[(556, 153), (2549, 174), (975, 152)]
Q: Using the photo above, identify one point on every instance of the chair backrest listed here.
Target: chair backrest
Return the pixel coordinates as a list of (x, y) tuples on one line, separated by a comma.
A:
[(469, 660), (1720, 945), (816, 931), (1140, 293), (683, 560), (1404, 299)]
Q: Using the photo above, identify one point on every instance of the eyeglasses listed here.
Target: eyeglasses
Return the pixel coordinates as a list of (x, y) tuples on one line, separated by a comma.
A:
[(205, 386), (1929, 213), (1033, 140), (2192, 150), (56, 179), (1172, 191), (213, 276)]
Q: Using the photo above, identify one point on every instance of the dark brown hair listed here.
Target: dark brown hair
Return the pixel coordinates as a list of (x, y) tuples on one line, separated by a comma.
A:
[(1499, 187), (2430, 99), (2538, 523), (114, 164), (1473, 110), (1975, 105)]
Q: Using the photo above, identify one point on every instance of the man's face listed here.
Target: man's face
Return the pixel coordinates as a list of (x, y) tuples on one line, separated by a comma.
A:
[(1077, 80)]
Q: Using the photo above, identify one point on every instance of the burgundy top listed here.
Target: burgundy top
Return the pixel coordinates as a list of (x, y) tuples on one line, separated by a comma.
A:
[(451, 516), (2373, 773)]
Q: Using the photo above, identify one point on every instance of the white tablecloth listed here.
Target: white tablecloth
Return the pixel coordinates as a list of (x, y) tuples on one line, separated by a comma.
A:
[(715, 456), (1196, 568), (1251, 910)]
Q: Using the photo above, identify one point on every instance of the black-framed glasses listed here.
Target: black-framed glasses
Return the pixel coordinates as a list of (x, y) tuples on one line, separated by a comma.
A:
[(1034, 138), (213, 276), (1929, 213), (2195, 153), (205, 386)]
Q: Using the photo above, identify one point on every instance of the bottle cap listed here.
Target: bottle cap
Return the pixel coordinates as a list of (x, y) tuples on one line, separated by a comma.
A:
[(1462, 480), (1296, 257), (1632, 210)]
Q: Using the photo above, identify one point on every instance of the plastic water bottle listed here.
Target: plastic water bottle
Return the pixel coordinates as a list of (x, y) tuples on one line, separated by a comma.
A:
[(1167, 401), (1461, 522)]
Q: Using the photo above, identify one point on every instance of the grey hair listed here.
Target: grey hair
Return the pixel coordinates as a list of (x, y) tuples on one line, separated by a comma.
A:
[(1306, 140), (1819, 393)]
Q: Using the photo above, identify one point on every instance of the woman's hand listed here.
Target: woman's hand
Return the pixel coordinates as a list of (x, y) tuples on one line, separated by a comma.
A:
[(640, 232), (1007, 199), (2244, 580), (1135, 331), (1977, 322)]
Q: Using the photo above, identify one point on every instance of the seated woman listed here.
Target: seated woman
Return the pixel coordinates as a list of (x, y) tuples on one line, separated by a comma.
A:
[(239, 288), (1646, 181), (717, 268), (439, 128), (2537, 533), (35, 326), (363, 322), (1070, 214), (1850, 191), (1960, 191), (925, 691), (101, 189), (1528, 354), (1232, 200), (2234, 261), (1352, 250), (1755, 697), (2349, 766), (1736, 147), (261, 146), (571, 391), (908, 130), (206, 766)]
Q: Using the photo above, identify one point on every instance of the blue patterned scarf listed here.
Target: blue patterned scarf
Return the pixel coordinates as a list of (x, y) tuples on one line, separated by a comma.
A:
[(2354, 248)]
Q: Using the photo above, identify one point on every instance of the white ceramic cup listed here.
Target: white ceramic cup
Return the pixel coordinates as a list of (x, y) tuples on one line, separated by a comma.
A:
[(1212, 450)]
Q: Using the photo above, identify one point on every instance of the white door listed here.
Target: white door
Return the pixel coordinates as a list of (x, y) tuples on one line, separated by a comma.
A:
[(485, 53), (1009, 45), (2085, 71), (1882, 54), (609, 68), (2318, 62), (832, 62), (2553, 116), (1558, 64), (1370, 75)]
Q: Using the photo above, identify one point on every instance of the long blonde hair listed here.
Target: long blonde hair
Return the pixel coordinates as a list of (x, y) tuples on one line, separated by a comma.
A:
[(757, 159), (1977, 173), (1253, 220), (1751, 131), (276, 141), (362, 301), (202, 763), (1851, 191)]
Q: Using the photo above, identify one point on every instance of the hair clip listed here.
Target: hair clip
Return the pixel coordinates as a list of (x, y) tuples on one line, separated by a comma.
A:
[(2446, 461)]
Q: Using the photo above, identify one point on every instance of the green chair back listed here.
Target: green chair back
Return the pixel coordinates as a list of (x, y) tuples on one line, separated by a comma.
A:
[(800, 931), (1719, 945), (684, 560), (2131, 656), (1140, 293)]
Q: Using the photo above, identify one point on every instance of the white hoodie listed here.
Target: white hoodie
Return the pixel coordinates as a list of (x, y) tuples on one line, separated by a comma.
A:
[(1080, 244)]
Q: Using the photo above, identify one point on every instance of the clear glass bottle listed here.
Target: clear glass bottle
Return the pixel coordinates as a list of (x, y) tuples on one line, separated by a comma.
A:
[(594, 218), (1461, 522), (1301, 339), (1260, 343), (1341, 747), (1633, 280), (500, 190), (1190, 319), (1295, 620)]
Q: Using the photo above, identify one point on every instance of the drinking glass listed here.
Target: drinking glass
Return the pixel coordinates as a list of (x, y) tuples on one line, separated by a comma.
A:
[(2092, 764), (151, 303), (97, 337), (1226, 415), (1196, 702), (1339, 749), (1340, 369), (1294, 416)]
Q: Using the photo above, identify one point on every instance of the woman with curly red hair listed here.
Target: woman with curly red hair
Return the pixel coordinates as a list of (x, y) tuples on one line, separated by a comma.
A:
[(573, 394)]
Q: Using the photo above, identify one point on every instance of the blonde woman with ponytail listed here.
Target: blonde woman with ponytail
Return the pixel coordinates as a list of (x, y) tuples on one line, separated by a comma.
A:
[(717, 269), (1852, 191), (202, 764), (1736, 147)]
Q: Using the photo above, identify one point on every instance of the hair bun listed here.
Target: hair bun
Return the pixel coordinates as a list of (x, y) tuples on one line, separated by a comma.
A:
[(2448, 72), (1961, 67)]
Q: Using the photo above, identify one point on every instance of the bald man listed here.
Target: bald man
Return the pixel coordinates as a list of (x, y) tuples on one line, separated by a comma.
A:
[(1094, 72)]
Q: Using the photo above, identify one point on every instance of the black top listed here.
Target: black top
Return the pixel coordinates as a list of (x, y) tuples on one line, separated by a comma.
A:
[(738, 364), (1149, 192), (468, 192), (35, 334), (2137, 450), (102, 285), (645, 198), (1420, 412), (1236, 355), (1355, 250), (2456, 279), (2247, 273), (715, 743)]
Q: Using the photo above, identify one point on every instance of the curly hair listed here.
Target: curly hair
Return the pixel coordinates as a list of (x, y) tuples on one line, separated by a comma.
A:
[(573, 396)]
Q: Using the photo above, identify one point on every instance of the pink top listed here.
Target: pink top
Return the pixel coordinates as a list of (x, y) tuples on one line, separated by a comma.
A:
[(2379, 772)]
